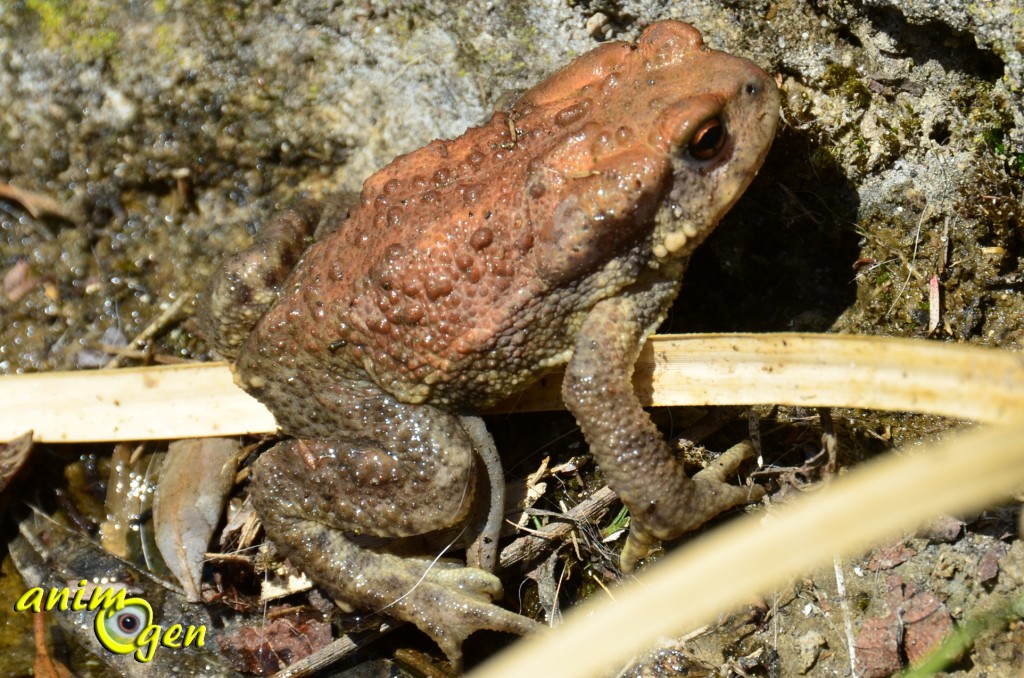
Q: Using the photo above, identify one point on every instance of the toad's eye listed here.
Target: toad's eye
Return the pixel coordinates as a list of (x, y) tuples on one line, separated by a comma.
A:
[(708, 140)]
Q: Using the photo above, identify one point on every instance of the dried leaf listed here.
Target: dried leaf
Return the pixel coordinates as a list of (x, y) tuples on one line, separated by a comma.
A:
[(190, 497), (889, 556), (37, 204), (878, 648), (927, 623), (264, 647), (294, 583), (18, 281), (241, 529), (12, 456)]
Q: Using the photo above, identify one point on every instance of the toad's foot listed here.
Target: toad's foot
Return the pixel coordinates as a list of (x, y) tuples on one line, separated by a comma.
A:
[(445, 601), (663, 502), (711, 490), (449, 604)]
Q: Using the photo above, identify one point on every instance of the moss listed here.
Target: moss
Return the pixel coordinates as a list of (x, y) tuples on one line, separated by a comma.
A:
[(165, 40), (78, 26), (993, 139), (989, 112), (845, 81), (909, 123), (510, 64), (1017, 164)]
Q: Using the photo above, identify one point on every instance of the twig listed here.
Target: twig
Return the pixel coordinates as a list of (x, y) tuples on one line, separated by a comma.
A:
[(36, 204), (531, 545), (156, 325)]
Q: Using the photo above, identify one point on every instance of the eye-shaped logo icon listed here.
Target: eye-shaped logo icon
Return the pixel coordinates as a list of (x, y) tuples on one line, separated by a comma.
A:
[(120, 629)]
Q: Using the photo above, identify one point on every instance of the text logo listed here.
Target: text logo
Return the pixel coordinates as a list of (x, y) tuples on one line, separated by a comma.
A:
[(123, 625)]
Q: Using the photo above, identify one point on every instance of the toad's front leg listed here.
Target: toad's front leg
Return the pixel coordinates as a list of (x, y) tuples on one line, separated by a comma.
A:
[(664, 503)]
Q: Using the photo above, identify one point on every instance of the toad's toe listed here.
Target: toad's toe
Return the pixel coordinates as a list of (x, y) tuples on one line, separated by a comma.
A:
[(449, 605)]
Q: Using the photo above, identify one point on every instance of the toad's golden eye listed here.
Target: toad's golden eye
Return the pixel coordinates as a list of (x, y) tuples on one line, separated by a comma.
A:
[(708, 140)]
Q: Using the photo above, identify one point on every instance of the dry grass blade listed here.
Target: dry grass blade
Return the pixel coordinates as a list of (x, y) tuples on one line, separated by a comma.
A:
[(814, 370), (150, 403), (811, 370), (729, 565)]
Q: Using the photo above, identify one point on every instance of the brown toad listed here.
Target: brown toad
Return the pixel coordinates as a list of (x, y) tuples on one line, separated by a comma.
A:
[(555, 234)]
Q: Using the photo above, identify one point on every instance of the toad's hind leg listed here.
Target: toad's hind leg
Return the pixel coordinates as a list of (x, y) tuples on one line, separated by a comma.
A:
[(248, 283), (312, 494)]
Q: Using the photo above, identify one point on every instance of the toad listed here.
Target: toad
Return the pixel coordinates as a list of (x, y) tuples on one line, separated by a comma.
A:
[(556, 234)]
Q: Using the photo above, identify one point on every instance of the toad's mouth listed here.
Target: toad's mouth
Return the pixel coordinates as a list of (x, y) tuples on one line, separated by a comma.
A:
[(681, 238)]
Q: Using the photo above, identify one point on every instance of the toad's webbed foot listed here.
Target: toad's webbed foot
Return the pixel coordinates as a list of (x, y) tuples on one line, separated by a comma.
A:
[(450, 604), (447, 602)]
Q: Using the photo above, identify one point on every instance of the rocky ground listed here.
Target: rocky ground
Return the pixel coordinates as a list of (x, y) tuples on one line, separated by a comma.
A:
[(147, 141)]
